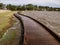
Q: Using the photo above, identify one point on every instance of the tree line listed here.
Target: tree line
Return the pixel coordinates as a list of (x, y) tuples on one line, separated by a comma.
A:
[(27, 7)]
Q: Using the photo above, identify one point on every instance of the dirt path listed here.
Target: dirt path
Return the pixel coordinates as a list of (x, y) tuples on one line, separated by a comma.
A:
[(35, 34)]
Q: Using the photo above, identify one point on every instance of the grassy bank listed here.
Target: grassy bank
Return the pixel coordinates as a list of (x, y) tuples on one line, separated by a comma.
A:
[(5, 21)]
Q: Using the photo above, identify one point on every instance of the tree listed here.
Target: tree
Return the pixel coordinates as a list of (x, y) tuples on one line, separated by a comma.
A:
[(35, 7), (29, 7), (11, 7), (1, 6), (18, 8), (58, 9), (23, 7)]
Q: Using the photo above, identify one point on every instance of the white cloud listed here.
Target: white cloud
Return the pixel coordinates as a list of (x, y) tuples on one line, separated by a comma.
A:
[(56, 2), (39, 2)]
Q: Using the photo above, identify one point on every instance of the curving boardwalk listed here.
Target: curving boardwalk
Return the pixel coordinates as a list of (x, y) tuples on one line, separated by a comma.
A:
[(35, 34)]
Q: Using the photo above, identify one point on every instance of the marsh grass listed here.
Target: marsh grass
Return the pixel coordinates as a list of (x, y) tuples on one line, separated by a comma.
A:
[(8, 37), (6, 21)]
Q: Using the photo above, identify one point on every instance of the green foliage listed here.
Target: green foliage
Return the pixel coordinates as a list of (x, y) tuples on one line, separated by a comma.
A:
[(29, 7), (35, 7), (19, 8), (8, 37), (58, 9), (1, 6), (11, 7)]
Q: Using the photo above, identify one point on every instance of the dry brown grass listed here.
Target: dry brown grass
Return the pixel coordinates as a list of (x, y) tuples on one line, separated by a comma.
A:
[(1, 11), (5, 21)]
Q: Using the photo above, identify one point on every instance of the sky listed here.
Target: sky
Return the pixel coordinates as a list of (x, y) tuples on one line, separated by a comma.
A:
[(51, 3)]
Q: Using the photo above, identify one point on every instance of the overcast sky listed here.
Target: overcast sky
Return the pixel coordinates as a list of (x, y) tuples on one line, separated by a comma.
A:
[(51, 3)]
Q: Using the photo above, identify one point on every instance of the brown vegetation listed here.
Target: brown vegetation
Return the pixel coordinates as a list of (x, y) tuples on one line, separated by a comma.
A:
[(10, 23)]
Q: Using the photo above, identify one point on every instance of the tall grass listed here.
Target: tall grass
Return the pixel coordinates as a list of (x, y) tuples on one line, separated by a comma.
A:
[(6, 21), (8, 37)]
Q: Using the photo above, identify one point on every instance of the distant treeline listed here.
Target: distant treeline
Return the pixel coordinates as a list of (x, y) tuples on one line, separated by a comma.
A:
[(27, 7)]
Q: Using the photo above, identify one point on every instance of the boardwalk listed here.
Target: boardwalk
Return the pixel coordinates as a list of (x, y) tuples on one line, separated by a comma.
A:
[(35, 34)]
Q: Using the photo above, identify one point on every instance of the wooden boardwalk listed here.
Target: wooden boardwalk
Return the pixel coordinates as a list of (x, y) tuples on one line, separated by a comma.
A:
[(35, 34)]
